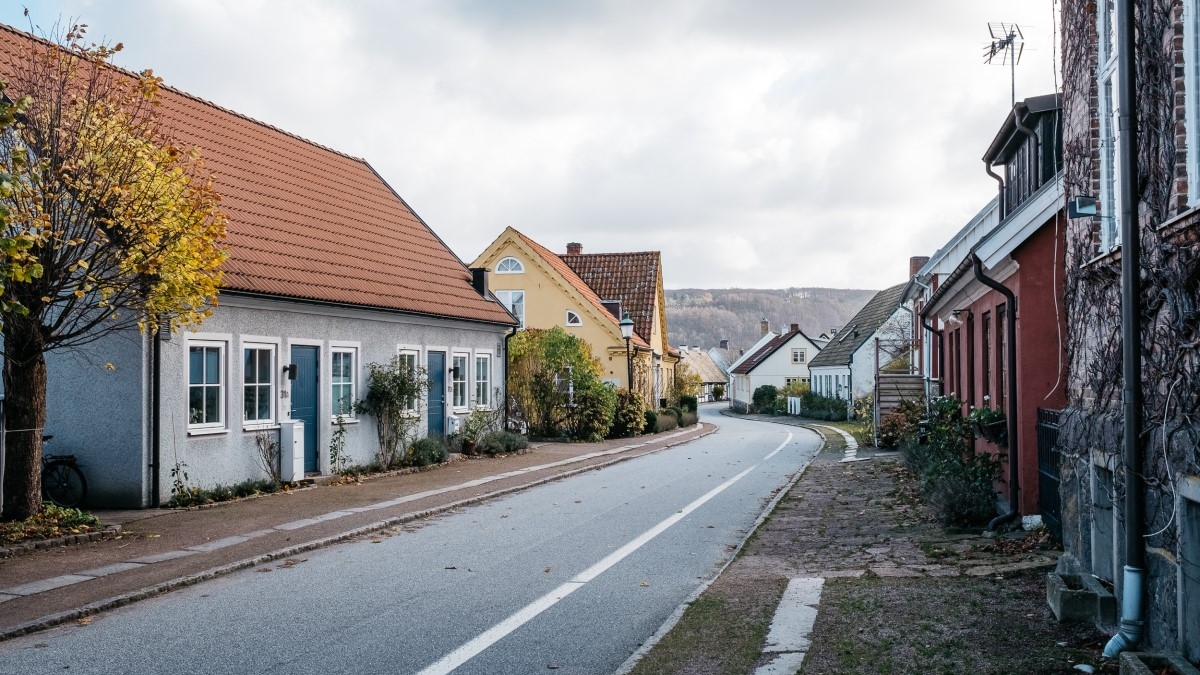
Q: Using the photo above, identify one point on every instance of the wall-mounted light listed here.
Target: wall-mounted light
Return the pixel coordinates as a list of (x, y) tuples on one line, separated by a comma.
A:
[(454, 372), (291, 370), (1081, 207)]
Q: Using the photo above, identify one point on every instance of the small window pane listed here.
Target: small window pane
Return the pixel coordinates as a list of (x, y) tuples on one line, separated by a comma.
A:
[(196, 365), (211, 404), (212, 365)]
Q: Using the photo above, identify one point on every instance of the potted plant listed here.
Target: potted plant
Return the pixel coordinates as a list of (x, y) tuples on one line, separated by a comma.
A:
[(474, 426), (990, 424)]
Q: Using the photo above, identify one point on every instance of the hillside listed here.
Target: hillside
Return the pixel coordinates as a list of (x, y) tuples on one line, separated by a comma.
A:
[(701, 317)]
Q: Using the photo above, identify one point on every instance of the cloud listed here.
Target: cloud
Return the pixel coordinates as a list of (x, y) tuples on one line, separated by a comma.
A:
[(767, 143)]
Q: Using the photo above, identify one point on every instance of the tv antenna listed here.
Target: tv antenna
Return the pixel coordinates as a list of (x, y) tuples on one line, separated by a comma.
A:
[(1005, 48)]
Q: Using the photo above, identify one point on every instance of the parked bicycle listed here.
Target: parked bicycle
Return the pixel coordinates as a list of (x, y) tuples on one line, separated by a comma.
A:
[(62, 479)]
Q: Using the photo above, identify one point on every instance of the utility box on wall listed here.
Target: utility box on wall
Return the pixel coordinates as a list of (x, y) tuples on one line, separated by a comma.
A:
[(291, 451)]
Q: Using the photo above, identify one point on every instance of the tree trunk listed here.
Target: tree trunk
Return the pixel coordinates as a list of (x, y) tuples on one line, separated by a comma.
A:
[(24, 419)]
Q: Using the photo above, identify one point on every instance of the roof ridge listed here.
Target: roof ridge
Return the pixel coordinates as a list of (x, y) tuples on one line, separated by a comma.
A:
[(162, 85)]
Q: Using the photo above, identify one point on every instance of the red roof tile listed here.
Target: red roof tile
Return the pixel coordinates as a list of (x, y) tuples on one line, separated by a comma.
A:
[(631, 278), (568, 274), (306, 221)]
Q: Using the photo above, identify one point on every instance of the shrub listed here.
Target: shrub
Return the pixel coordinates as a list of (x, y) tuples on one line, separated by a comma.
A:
[(688, 403), (818, 407), (426, 451), (393, 390), (688, 419), (593, 412), (667, 420), (502, 442), (629, 416), (763, 398), (718, 392), (651, 425)]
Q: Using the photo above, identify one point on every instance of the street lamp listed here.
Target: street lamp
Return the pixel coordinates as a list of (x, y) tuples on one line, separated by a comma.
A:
[(627, 333)]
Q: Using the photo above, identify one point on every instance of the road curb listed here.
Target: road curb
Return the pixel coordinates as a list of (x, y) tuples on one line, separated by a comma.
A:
[(669, 624), (114, 602)]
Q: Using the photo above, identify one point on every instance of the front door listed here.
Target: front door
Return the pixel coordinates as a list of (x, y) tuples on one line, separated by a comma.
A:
[(437, 393), (305, 390)]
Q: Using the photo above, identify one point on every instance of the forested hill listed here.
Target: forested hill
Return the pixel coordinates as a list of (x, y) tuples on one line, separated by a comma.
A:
[(699, 317)]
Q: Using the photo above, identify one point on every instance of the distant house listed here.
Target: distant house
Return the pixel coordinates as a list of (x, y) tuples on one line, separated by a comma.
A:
[(588, 294), (877, 336), (781, 361), (737, 387), (329, 270), (701, 364)]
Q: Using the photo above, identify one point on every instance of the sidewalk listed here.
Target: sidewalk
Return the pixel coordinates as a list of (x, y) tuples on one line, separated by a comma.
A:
[(158, 550)]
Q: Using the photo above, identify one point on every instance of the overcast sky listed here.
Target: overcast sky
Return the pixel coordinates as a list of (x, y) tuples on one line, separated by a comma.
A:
[(762, 144)]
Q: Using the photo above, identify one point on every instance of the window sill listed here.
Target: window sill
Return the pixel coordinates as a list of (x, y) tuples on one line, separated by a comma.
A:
[(1112, 255), (260, 426), (345, 420), (207, 432)]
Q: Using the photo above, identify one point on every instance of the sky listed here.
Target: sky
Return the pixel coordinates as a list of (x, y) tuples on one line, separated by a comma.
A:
[(756, 143)]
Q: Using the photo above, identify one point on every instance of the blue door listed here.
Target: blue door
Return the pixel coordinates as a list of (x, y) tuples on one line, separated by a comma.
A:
[(305, 390), (437, 393)]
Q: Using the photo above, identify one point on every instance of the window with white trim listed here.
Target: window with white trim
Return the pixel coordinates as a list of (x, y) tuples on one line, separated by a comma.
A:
[(458, 380), (1191, 96), (573, 318), (206, 385), (343, 379), (483, 379), (1110, 170), (407, 360), (515, 302), (509, 265), (798, 356), (258, 383)]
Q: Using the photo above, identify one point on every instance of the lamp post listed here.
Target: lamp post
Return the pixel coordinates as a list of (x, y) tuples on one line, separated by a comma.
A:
[(627, 333)]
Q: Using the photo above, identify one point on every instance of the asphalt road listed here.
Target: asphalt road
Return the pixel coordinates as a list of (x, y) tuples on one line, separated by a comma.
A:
[(569, 577)]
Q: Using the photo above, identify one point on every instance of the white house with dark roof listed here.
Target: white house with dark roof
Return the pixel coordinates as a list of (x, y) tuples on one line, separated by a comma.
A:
[(329, 270), (847, 365), (780, 361)]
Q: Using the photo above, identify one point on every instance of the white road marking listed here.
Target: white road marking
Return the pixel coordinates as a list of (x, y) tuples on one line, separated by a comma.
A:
[(791, 627), (491, 636)]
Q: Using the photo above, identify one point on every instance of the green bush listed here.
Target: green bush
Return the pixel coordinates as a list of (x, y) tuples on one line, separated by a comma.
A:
[(688, 403), (818, 407), (426, 451), (593, 412), (718, 392), (667, 420), (195, 496), (651, 425), (629, 416), (502, 442), (763, 398)]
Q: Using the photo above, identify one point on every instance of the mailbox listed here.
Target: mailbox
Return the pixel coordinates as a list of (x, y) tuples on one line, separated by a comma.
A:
[(291, 451)]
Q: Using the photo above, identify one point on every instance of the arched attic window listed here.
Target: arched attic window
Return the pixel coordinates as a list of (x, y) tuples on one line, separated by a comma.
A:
[(509, 265)]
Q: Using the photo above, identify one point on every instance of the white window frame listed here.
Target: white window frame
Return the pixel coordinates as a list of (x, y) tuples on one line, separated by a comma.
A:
[(519, 269), (403, 352), (355, 369), (506, 298), (799, 355), (1108, 98), (483, 376), (578, 318), (222, 407), (463, 378), (1191, 96), (272, 418)]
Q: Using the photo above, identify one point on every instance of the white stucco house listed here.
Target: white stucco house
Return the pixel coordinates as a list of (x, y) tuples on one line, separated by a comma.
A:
[(780, 361), (328, 270), (846, 367)]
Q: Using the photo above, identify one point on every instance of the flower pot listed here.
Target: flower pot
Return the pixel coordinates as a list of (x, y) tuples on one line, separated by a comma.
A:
[(468, 446)]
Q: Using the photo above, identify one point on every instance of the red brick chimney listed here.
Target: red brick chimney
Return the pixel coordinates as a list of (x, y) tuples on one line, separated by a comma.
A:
[(764, 327), (795, 328), (575, 248), (915, 264)]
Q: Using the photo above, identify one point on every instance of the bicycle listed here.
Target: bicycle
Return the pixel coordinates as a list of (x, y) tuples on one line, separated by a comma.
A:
[(62, 479)]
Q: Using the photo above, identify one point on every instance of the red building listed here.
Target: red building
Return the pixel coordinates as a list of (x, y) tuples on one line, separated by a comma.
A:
[(990, 302)]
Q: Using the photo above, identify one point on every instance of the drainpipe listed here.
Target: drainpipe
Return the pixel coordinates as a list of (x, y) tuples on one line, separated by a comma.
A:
[(1014, 485), (1000, 182), (156, 419), (506, 339), (1132, 595)]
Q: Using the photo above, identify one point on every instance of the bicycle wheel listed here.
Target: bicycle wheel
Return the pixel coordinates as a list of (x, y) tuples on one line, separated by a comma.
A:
[(63, 483)]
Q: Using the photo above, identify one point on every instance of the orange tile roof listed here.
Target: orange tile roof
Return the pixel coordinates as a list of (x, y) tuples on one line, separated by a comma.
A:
[(306, 221), (564, 270), (631, 278)]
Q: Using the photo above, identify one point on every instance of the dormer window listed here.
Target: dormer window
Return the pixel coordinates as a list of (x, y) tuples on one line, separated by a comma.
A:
[(510, 265), (573, 318)]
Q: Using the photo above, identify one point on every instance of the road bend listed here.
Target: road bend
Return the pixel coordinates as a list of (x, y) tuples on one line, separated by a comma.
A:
[(571, 577)]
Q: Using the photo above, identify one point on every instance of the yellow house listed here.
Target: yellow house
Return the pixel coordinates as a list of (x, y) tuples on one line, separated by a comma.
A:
[(588, 294)]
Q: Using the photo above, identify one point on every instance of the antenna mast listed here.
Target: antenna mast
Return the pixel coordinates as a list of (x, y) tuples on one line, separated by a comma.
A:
[(1007, 43)]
